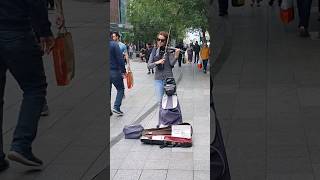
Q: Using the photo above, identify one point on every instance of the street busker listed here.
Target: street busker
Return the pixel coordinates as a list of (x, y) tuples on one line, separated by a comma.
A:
[(163, 65)]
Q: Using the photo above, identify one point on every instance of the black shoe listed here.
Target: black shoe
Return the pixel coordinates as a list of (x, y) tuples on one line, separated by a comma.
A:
[(111, 113), (152, 72), (20, 158), (45, 110), (117, 111), (303, 32), (4, 164), (149, 72), (258, 5)]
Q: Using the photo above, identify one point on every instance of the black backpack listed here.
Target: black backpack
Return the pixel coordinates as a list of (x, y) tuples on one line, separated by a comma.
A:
[(219, 168), (170, 86)]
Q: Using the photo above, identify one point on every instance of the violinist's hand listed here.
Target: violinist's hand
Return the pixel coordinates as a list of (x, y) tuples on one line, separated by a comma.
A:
[(176, 53), (161, 61)]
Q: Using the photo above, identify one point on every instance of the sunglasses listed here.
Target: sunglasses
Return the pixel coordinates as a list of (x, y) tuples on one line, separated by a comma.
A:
[(162, 40)]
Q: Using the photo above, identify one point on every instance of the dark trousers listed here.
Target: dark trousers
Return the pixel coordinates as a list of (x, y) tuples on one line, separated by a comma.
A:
[(304, 8), (223, 6), (117, 80), (20, 54), (205, 64), (196, 57), (180, 60)]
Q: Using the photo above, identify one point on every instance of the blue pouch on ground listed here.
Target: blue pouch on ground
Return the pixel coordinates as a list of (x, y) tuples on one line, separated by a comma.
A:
[(133, 131)]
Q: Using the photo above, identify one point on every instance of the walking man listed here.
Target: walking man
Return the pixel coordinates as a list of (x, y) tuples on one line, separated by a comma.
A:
[(21, 55), (117, 71), (196, 49)]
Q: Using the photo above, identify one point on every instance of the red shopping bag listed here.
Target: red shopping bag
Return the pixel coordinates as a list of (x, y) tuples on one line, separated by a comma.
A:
[(63, 58), (129, 77), (287, 11)]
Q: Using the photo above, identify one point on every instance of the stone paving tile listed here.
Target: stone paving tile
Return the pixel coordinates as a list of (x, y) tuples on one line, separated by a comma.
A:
[(201, 175), (127, 175), (153, 175), (179, 174)]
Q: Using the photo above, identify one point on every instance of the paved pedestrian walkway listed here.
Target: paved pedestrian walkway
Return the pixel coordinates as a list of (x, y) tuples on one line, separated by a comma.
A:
[(130, 159), (267, 97), (71, 141)]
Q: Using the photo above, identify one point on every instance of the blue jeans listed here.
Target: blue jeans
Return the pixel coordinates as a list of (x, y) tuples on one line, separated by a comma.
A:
[(205, 64), (117, 80), (21, 55), (158, 84)]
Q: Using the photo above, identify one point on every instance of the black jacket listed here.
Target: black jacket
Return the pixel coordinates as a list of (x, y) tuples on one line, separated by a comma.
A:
[(23, 15)]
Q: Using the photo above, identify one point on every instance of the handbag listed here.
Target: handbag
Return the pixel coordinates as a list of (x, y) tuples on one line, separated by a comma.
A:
[(63, 58)]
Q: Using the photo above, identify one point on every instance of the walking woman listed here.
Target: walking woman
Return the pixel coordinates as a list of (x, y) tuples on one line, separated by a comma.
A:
[(163, 65)]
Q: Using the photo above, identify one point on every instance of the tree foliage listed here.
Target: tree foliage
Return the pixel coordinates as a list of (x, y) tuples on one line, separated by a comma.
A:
[(148, 17)]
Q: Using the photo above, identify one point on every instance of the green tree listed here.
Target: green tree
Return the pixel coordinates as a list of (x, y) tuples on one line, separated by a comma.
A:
[(148, 17)]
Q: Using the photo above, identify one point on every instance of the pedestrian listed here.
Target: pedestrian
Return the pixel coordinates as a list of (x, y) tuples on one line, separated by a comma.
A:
[(162, 64), (21, 56), (123, 48), (190, 53), (304, 8), (143, 54), (254, 1), (147, 55), (117, 73), (180, 46), (204, 54), (196, 49), (223, 7), (130, 51)]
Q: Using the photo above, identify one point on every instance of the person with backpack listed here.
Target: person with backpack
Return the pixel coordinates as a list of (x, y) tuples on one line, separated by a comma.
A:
[(163, 62)]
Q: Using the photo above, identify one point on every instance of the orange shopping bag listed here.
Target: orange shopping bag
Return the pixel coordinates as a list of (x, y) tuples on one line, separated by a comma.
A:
[(199, 64), (287, 11), (129, 77), (63, 58)]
